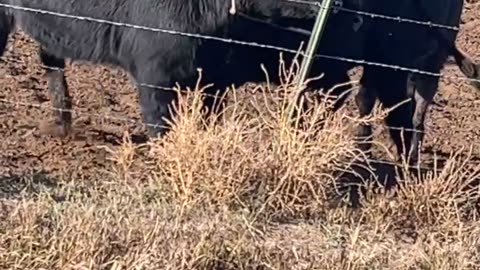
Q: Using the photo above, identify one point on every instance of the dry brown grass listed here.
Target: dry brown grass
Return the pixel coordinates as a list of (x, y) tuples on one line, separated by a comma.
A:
[(248, 193)]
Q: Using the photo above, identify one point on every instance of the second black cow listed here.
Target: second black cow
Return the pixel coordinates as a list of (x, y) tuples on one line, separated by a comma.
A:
[(419, 47), (414, 46)]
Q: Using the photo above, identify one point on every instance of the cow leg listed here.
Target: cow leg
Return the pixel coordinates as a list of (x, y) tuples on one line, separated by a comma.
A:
[(392, 90), (60, 125), (155, 103), (6, 27), (423, 90), (365, 101)]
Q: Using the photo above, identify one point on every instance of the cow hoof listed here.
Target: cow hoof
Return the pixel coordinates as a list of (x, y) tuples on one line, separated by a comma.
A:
[(54, 128)]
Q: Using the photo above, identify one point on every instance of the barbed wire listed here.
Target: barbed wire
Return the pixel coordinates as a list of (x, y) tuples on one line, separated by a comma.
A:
[(234, 41), (362, 62), (207, 94), (380, 16)]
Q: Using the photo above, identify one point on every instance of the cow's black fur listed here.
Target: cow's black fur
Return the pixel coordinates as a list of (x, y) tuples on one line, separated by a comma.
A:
[(413, 46), (392, 43), (151, 58)]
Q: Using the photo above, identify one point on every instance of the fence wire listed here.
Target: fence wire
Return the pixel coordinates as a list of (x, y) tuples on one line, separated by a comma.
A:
[(381, 16), (206, 94), (245, 43)]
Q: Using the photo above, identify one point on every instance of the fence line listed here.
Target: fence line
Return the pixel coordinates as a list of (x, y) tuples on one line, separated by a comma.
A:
[(140, 123), (206, 94), (245, 43), (381, 16), (254, 44), (129, 120)]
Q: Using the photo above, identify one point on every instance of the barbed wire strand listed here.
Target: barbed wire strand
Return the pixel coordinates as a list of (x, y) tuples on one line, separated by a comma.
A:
[(245, 43), (380, 16), (207, 94), (151, 125), (140, 123)]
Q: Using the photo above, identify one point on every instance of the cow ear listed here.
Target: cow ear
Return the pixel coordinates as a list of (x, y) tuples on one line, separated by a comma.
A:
[(357, 22)]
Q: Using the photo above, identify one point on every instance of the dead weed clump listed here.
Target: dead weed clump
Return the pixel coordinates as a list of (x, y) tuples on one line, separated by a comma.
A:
[(252, 158), (437, 200)]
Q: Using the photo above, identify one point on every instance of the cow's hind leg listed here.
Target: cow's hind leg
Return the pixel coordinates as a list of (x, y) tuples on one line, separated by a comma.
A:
[(365, 101), (155, 102), (423, 89), (60, 125), (391, 91)]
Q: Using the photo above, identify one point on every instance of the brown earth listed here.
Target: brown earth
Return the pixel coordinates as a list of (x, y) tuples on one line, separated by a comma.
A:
[(99, 92)]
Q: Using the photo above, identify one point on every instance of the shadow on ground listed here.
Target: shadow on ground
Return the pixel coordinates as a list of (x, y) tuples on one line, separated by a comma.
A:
[(383, 174), (27, 185)]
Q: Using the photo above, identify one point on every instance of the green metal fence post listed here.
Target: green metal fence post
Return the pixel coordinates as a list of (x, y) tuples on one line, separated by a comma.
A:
[(312, 46)]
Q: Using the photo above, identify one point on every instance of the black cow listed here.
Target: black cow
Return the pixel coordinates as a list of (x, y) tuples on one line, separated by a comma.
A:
[(407, 45), (413, 46), (150, 57), (375, 40)]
